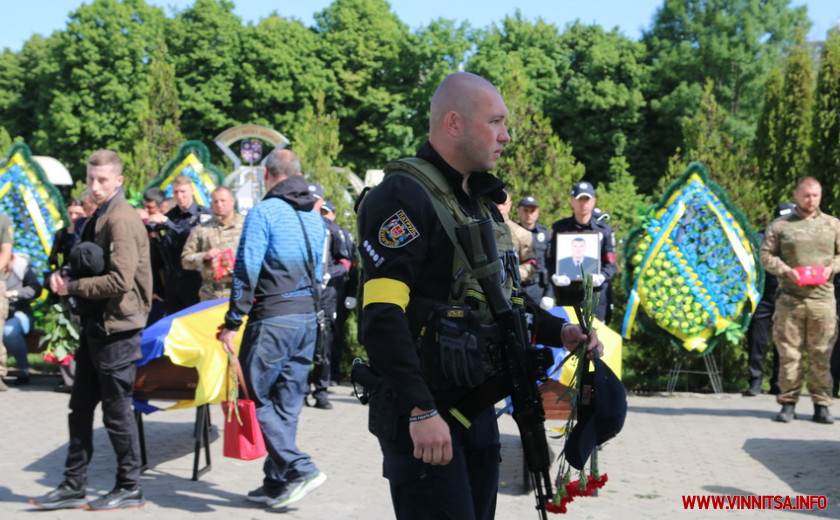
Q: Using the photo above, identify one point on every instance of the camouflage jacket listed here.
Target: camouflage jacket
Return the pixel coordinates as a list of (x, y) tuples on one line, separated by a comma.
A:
[(795, 241), (204, 237)]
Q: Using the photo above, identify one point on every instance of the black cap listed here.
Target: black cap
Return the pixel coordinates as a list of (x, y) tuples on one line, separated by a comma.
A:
[(601, 419), (328, 206), (529, 201), (86, 259), (583, 188), (316, 190), (784, 208)]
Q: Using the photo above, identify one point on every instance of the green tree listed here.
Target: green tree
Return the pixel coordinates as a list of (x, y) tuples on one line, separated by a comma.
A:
[(159, 125), (365, 45), (587, 81), (26, 85), (435, 51), (766, 147), (792, 131), (621, 198), (825, 144), (205, 41), (5, 142), (598, 107), (537, 46), (536, 161), (97, 95), (279, 74), (11, 87), (733, 42), (727, 161), (316, 142)]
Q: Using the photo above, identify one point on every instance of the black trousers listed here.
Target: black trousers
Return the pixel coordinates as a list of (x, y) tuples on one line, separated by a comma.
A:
[(464, 489), (319, 376), (105, 372), (182, 291), (757, 336), (339, 345)]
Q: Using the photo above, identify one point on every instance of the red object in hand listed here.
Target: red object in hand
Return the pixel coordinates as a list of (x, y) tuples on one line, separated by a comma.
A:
[(223, 264), (811, 275)]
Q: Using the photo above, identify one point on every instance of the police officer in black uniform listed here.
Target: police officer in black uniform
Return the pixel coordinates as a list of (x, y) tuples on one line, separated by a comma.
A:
[(343, 250), (337, 263), (437, 469), (537, 287), (181, 285), (759, 332), (570, 293)]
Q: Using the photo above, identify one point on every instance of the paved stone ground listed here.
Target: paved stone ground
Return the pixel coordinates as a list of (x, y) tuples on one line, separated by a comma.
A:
[(685, 444)]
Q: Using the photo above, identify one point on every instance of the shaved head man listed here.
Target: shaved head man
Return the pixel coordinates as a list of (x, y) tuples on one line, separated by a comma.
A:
[(437, 468), (467, 122)]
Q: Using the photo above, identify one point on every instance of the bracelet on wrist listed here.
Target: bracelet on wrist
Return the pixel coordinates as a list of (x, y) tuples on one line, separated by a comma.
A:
[(423, 417)]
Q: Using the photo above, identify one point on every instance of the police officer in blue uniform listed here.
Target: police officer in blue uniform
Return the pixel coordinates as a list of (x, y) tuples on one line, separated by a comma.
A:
[(582, 220), (538, 286), (437, 468)]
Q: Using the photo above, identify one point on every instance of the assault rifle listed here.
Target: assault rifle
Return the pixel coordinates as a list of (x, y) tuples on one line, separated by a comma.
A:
[(522, 364)]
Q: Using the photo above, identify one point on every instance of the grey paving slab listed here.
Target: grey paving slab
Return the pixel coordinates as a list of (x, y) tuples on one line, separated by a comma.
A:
[(671, 446)]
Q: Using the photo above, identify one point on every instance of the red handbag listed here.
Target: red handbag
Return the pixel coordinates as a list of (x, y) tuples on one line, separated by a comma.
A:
[(243, 436)]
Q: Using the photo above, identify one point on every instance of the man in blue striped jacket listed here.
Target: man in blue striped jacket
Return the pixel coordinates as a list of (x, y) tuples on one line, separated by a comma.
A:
[(282, 243)]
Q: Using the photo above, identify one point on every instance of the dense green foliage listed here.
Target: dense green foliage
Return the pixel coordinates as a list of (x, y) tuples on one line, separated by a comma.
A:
[(726, 82), (825, 152)]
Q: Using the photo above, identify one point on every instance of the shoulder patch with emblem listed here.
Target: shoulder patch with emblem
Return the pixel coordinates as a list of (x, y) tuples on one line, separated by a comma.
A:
[(397, 231)]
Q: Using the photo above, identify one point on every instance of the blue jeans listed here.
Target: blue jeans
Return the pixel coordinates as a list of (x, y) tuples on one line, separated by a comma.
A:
[(14, 331), (276, 355)]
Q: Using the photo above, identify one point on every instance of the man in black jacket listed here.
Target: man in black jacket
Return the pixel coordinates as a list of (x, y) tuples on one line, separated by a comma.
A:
[(181, 285), (437, 468)]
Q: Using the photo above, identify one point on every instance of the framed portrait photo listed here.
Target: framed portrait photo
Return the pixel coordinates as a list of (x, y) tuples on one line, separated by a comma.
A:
[(578, 254)]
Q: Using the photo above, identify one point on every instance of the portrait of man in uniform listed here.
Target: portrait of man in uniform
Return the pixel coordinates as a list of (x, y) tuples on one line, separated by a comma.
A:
[(584, 253)]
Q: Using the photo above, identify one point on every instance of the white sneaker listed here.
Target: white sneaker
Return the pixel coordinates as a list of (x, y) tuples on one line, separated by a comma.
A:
[(298, 488)]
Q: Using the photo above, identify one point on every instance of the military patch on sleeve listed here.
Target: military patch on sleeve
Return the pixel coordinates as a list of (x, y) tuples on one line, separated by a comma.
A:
[(397, 231)]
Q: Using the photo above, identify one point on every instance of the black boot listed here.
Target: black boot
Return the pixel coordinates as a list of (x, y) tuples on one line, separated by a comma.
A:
[(822, 415), (754, 389), (786, 415)]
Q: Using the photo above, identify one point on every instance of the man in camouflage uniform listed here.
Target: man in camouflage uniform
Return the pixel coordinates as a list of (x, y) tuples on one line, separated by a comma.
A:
[(210, 239), (805, 320), (522, 240), (7, 235)]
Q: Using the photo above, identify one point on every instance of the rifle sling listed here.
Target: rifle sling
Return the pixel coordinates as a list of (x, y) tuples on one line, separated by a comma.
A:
[(480, 398)]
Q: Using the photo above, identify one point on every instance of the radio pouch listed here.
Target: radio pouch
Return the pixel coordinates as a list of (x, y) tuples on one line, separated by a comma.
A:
[(451, 348)]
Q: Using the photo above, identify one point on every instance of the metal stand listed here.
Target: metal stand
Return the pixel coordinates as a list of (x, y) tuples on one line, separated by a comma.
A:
[(711, 370), (202, 438), (201, 434)]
